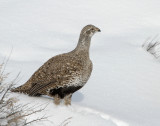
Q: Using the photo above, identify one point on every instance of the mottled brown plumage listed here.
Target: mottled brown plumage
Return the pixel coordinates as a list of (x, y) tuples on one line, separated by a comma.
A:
[(63, 74)]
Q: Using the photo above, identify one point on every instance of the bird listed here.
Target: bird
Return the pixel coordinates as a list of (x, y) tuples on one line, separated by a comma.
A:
[(63, 74)]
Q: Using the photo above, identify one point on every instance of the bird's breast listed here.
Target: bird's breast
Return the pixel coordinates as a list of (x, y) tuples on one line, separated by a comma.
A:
[(87, 72)]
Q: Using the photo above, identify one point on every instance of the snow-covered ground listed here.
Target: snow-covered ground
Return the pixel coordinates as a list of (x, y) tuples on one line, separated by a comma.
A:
[(124, 88)]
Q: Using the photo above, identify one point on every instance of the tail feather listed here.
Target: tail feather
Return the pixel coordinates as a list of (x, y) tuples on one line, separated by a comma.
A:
[(24, 89), (20, 89)]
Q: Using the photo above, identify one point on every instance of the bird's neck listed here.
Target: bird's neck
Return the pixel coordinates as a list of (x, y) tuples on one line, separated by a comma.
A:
[(83, 44)]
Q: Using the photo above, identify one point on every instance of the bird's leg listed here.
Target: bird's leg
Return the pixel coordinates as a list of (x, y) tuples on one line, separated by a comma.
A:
[(57, 99), (67, 99)]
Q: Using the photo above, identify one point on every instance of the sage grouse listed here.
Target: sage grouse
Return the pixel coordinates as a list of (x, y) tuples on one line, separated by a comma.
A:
[(63, 74)]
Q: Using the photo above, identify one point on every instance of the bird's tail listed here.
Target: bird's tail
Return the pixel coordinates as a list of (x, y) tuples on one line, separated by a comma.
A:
[(21, 89)]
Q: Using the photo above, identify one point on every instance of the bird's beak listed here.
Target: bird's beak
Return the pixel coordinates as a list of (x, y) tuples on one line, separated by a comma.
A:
[(98, 30)]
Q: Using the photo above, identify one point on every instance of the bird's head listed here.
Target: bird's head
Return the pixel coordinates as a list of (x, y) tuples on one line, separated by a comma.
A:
[(89, 30)]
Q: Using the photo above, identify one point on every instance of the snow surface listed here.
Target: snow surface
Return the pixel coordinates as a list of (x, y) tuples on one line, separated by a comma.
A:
[(124, 88)]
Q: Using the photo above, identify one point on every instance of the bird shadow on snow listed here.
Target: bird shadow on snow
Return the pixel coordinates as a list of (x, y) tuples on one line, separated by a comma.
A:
[(77, 97)]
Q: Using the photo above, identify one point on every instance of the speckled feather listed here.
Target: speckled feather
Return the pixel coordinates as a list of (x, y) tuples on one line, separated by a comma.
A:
[(64, 70), (67, 70)]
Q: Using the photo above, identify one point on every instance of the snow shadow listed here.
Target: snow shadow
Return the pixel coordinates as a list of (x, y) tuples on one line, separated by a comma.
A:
[(77, 97)]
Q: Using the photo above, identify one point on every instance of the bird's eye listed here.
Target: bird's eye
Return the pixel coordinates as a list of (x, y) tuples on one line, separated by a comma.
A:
[(92, 29)]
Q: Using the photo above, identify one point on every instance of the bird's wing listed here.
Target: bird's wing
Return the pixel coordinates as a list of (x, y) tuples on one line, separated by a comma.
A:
[(52, 73), (37, 87)]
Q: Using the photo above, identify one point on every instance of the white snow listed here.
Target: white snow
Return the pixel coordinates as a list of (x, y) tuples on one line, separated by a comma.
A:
[(124, 88)]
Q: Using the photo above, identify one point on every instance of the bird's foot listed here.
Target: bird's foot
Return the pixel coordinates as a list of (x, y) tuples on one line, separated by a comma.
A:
[(67, 99), (57, 100)]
